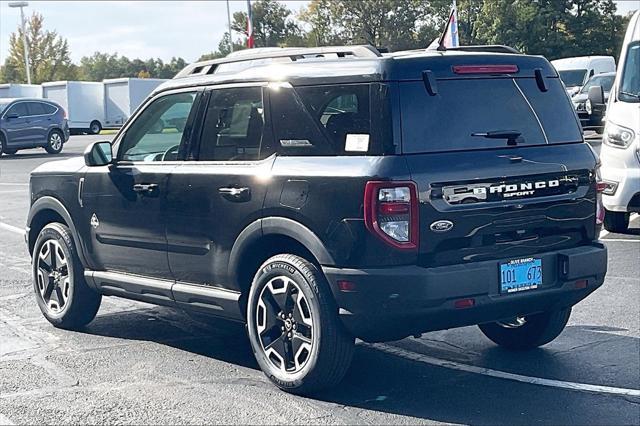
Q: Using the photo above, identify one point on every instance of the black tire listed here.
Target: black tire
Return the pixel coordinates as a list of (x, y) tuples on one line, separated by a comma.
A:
[(10, 151), (537, 330), (82, 303), (55, 142), (331, 348), (617, 222), (95, 127), (3, 145)]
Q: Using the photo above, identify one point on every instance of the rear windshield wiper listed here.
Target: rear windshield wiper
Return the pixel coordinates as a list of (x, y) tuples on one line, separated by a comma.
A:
[(513, 137)]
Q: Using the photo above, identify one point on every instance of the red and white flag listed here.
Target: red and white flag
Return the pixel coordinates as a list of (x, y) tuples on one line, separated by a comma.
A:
[(250, 41)]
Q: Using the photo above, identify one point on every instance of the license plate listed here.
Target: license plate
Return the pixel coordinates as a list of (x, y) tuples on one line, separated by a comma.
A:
[(520, 275)]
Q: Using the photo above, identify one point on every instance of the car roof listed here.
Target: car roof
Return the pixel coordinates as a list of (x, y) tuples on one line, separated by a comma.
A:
[(400, 66), (9, 100)]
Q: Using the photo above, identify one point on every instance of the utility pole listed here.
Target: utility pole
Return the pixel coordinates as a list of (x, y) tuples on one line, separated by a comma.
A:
[(229, 25), (22, 5)]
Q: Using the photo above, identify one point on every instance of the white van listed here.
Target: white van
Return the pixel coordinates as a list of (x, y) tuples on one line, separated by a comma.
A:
[(620, 154), (574, 72)]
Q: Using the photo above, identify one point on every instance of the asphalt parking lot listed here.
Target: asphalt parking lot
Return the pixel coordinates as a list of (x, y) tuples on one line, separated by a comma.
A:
[(138, 363)]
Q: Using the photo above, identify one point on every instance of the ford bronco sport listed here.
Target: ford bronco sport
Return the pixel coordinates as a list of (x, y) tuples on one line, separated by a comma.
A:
[(323, 195)]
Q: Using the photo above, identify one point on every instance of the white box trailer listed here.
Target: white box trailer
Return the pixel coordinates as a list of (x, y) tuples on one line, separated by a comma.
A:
[(123, 95), (12, 90), (82, 100)]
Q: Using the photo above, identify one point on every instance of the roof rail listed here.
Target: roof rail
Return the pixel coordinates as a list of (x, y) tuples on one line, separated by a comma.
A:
[(496, 48), (264, 54)]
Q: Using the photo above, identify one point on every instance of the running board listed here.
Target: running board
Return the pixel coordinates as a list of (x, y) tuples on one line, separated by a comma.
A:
[(205, 299)]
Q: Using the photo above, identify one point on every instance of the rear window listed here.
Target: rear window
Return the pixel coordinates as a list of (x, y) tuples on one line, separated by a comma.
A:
[(463, 109), (572, 78)]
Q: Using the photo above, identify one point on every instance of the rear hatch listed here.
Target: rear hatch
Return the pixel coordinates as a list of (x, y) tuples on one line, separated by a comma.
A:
[(495, 147)]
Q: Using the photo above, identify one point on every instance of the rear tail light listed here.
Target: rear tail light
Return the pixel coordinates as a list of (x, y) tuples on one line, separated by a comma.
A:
[(485, 69), (391, 213), (601, 187), (64, 113)]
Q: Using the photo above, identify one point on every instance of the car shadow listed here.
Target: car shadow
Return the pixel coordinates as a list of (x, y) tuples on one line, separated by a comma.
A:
[(35, 155), (392, 384)]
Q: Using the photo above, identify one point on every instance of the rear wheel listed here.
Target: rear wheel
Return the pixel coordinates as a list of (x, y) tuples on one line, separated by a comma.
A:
[(294, 329), (3, 145), (529, 331), (54, 142), (95, 127), (616, 221), (63, 296)]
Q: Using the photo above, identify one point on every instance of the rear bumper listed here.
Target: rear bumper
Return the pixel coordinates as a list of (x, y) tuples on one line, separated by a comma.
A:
[(392, 303)]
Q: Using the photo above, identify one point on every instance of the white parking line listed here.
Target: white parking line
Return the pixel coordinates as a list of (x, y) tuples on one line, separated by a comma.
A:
[(581, 387), (4, 420), (13, 184), (620, 240), (11, 228)]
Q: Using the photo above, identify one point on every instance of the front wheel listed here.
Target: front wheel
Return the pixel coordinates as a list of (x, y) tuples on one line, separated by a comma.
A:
[(294, 329), (62, 293), (54, 142), (529, 331), (617, 222)]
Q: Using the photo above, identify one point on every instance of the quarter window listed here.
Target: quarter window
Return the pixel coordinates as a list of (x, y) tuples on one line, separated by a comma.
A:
[(157, 133), (234, 124)]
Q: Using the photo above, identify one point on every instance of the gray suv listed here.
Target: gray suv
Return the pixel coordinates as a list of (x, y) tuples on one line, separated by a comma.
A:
[(32, 123)]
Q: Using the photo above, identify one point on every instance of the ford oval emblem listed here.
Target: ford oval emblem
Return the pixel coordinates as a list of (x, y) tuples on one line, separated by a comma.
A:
[(441, 226)]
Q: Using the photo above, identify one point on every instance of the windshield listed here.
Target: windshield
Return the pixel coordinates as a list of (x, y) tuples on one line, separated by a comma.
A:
[(465, 109), (606, 81), (3, 105), (572, 78), (630, 81)]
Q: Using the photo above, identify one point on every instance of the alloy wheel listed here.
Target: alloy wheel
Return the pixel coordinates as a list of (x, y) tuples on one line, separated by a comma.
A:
[(54, 282), (55, 141), (284, 324)]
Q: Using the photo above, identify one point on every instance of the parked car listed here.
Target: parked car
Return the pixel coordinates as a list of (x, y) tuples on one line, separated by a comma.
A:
[(574, 72), (32, 123), (325, 199), (592, 116), (620, 153)]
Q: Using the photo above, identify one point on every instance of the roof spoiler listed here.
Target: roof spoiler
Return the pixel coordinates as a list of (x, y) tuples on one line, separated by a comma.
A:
[(494, 48), (293, 53)]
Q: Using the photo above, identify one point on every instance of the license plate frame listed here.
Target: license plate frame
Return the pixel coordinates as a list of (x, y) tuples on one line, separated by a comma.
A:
[(518, 275)]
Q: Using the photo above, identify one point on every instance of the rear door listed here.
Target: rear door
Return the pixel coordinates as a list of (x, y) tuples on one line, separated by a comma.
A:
[(212, 198), (39, 121), (482, 195)]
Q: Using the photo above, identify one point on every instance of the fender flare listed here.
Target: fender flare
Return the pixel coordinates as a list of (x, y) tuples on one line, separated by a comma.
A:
[(53, 204), (277, 226)]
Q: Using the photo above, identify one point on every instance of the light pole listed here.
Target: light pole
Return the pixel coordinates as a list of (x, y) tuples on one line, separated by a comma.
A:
[(229, 22), (21, 5)]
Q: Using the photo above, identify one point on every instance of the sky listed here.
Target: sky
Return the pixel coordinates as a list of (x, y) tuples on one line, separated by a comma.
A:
[(143, 29), (136, 29)]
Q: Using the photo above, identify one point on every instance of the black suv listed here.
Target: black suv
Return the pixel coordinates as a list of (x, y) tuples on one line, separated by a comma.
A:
[(323, 195)]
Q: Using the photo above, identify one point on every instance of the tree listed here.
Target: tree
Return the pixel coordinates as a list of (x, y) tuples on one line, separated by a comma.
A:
[(273, 25), (395, 24), (49, 57), (99, 66)]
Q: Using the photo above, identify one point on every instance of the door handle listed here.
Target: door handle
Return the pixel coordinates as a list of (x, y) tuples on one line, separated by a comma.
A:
[(235, 194), (145, 188)]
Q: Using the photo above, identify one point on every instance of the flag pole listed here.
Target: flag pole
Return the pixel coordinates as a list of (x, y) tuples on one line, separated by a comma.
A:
[(250, 41), (229, 25)]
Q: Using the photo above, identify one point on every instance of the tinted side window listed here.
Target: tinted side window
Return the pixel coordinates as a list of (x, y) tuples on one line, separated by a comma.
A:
[(48, 108), (156, 134), (20, 108), (36, 108), (296, 131), (344, 114), (233, 126)]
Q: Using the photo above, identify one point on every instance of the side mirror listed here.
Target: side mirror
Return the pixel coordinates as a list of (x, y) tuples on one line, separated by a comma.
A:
[(98, 154), (596, 95), (12, 115)]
